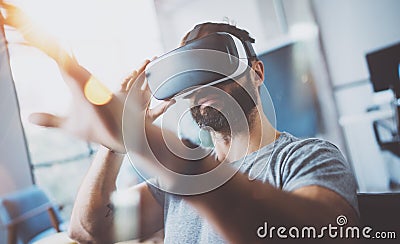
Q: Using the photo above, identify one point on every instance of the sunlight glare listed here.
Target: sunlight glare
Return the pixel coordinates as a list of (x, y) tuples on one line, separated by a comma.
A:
[(96, 92)]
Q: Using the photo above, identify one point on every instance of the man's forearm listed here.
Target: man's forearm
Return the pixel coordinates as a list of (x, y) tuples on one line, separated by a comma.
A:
[(240, 206), (92, 215)]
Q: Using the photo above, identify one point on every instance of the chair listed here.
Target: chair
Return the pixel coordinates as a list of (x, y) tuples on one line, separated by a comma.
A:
[(380, 211), (28, 214)]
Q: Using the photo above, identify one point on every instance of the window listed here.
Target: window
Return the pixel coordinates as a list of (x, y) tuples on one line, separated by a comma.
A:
[(110, 39)]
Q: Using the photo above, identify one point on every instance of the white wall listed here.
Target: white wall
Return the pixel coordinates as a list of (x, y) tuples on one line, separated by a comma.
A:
[(176, 18), (350, 29)]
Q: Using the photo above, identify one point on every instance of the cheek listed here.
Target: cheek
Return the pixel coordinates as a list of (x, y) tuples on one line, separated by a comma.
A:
[(226, 89), (191, 100)]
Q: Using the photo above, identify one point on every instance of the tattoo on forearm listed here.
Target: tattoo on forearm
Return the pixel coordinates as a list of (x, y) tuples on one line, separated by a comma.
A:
[(110, 210)]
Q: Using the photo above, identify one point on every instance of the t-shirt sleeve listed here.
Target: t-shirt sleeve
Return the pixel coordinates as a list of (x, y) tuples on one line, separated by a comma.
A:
[(157, 193), (318, 162)]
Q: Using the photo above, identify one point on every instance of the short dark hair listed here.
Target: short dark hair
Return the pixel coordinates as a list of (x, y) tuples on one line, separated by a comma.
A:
[(207, 28)]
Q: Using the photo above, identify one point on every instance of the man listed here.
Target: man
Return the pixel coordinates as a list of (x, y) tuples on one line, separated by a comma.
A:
[(298, 182)]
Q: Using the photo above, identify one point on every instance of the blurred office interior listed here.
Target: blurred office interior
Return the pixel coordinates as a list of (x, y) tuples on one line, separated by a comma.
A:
[(317, 74)]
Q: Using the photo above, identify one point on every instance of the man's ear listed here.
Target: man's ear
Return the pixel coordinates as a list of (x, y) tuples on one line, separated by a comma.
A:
[(258, 67)]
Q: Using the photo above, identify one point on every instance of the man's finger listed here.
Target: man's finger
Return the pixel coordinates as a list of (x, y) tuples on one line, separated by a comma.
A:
[(145, 85), (141, 77), (125, 85), (14, 16), (131, 81), (154, 113), (46, 120), (136, 78), (143, 67), (8, 7)]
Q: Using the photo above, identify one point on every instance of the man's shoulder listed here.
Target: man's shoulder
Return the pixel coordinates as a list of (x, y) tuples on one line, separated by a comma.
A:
[(289, 149), (289, 144), (292, 154)]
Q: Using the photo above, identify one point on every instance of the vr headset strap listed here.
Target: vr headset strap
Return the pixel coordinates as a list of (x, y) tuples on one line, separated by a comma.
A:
[(247, 44), (193, 34), (249, 49)]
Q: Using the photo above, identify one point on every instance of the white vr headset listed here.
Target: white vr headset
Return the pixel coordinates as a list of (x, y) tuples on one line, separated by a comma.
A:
[(202, 62)]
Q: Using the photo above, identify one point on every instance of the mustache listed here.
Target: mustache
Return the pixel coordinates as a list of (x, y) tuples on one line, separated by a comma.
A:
[(227, 120), (211, 118)]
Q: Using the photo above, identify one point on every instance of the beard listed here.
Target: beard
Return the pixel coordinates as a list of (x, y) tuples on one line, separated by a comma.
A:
[(227, 121)]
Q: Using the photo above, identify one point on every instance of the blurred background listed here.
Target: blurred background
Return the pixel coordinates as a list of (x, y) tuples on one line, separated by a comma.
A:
[(314, 53)]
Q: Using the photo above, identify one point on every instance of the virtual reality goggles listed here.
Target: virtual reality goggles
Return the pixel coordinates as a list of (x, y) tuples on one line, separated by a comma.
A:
[(206, 61)]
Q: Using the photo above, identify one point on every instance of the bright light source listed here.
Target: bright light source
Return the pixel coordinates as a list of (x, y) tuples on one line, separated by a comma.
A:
[(96, 92), (109, 38)]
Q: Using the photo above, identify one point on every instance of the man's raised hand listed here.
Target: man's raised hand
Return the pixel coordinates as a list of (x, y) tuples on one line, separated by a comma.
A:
[(95, 113)]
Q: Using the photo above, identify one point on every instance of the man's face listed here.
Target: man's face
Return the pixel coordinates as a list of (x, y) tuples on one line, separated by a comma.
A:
[(214, 107)]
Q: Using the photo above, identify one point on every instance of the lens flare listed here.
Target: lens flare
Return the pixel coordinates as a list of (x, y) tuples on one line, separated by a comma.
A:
[(96, 92)]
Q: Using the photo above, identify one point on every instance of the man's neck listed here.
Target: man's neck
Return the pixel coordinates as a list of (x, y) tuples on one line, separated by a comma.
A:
[(261, 133)]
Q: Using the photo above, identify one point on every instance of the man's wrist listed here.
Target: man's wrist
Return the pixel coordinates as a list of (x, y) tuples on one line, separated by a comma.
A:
[(116, 153), (110, 152)]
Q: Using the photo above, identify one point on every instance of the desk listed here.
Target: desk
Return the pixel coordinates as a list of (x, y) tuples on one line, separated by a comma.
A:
[(58, 238), (156, 238), (62, 238)]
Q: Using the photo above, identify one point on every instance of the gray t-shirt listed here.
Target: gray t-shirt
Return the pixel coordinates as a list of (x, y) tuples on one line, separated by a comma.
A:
[(288, 164)]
